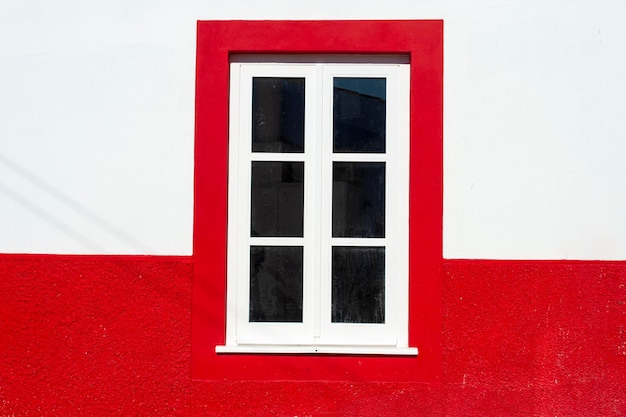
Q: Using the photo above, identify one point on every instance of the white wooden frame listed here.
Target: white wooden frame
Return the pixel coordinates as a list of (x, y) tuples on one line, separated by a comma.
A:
[(316, 334)]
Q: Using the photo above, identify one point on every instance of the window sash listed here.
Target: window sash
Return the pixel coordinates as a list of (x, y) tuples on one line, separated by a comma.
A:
[(317, 328)]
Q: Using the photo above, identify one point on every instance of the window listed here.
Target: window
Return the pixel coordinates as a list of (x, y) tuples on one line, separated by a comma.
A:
[(318, 205), (321, 47)]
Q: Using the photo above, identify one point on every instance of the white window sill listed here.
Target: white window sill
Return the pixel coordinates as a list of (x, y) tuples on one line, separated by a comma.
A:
[(333, 350)]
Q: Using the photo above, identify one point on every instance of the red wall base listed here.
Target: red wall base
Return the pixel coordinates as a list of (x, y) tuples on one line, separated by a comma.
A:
[(97, 335)]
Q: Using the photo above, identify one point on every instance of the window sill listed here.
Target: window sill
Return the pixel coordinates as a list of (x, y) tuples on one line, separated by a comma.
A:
[(309, 349)]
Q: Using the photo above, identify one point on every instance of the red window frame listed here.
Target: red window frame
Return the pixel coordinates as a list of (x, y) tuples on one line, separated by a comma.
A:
[(422, 40)]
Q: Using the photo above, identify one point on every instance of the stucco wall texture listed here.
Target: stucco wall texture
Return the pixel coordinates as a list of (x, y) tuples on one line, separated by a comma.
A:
[(110, 335)]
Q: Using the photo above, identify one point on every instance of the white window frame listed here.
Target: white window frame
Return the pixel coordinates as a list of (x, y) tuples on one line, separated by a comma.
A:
[(317, 333)]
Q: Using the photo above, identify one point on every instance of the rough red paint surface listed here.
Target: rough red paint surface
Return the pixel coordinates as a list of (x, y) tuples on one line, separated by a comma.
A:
[(111, 336), (422, 42)]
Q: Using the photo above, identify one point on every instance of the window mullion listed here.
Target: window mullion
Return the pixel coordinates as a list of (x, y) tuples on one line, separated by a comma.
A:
[(325, 230), (316, 203)]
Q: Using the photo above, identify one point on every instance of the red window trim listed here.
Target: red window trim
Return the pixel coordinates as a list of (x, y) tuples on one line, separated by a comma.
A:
[(217, 40)]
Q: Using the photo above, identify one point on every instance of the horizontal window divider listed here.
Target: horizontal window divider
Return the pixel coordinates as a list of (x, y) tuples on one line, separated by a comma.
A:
[(318, 349), (277, 241), (278, 157), (359, 157), (361, 241)]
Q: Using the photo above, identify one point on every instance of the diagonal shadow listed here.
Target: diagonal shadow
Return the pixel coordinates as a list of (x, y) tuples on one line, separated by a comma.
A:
[(33, 208), (68, 202)]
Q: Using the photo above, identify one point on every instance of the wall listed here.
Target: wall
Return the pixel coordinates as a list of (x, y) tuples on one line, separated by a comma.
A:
[(96, 151), (111, 336), (96, 137)]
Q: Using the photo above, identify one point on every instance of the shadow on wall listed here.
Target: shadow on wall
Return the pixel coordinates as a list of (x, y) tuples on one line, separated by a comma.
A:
[(68, 202)]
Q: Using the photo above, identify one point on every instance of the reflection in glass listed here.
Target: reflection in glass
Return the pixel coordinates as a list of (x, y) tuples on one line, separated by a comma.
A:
[(275, 284), (358, 199), (277, 114), (358, 287), (277, 201), (359, 114)]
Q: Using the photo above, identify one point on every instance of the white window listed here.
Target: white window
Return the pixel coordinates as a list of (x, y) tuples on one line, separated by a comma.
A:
[(318, 205)]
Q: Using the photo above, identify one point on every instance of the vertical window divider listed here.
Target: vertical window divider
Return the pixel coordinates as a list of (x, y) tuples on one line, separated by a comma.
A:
[(326, 199), (317, 217)]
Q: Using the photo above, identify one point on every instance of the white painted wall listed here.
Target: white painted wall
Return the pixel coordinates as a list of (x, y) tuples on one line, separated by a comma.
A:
[(96, 122)]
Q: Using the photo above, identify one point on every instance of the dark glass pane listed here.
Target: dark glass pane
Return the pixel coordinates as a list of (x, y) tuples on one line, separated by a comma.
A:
[(358, 199), (277, 114), (358, 285), (276, 284), (359, 114), (277, 206)]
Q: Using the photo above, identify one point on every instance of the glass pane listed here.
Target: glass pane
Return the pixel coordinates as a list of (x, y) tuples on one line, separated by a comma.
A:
[(277, 205), (277, 114), (358, 199), (275, 284), (358, 285), (359, 114)]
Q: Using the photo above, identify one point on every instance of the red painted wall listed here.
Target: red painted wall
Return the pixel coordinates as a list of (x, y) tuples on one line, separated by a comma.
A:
[(98, 335)]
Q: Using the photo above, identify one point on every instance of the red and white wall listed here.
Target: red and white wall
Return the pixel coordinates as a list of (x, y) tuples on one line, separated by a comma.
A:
[(96, 158)]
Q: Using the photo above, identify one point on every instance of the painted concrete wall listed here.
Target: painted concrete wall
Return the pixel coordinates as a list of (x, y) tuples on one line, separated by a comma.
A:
[(104, 336), (96, 123), (96, 151)]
